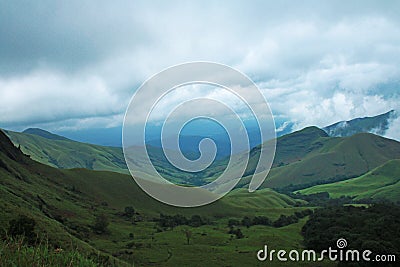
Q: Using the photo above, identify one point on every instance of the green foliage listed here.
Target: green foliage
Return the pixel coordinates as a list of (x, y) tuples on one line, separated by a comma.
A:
[(246, 221), (237, 232), (22, 226), (168, 221), (380, 183), (233, 223), (261, 220), (129, 211), (14, 252), (375, 228), (60, 152), (100, 225), (309, 157)]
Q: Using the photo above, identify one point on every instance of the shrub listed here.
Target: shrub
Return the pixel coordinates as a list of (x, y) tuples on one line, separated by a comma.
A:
[(101, 224), (23, 226)]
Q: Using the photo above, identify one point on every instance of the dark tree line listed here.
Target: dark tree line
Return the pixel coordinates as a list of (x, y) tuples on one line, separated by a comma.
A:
[(376, 228), (283, 220), (171, 221)]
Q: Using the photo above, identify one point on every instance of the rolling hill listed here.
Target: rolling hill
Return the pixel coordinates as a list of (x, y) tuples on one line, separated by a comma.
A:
[(381, 183), (45, 134), (60, 152), (310, 157), (304, 158)]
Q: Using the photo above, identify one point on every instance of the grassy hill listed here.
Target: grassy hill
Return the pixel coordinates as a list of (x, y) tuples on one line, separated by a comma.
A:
[(380, 183), (60, 152), (304, 158), (63, 153), (45, 134), (309, 157)]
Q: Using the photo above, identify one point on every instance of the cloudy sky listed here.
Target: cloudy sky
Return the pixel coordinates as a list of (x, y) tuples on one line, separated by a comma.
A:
[(75, 64)]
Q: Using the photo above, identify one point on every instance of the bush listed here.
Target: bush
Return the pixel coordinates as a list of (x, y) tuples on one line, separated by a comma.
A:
[(129, 211), (101, 224), (237, 232), (261, 220), (246, 221), (23, 226), (233, 222)]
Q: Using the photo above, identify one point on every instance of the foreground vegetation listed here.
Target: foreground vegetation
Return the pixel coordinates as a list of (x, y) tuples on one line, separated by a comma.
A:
[(16, 252)]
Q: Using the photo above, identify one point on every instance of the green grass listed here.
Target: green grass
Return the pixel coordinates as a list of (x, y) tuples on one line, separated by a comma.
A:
[(380, 183), (303, 158), (14, 252), (312, 158), (68, 154)]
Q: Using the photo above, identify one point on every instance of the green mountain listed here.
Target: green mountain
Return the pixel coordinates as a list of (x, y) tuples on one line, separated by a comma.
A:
[(381, 183), (45, 134), (63, 153), (310, 157), (304, 158), (376, 124), (60, 152)]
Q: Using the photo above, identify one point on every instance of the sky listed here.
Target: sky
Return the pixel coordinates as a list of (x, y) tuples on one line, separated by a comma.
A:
[(74, 65)]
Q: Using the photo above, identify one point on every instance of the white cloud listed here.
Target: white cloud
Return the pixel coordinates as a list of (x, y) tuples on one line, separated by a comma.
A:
[(316, 63)]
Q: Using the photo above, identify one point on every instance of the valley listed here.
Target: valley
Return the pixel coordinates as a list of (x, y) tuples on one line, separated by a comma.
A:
[(67, 202)]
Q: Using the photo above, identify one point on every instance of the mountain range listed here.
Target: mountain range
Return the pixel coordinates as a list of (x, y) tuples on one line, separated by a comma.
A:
[(303, 158), (66, 185)]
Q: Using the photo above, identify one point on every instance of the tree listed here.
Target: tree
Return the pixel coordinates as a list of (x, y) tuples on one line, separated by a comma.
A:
[(233, 222), (101, 224), (261, 220), (129, 211), (246, 221), (239, 234), (196, 221)]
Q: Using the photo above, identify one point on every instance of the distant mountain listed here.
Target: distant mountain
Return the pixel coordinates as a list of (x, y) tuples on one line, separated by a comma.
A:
[(98, 136), (376, 125), (61, 152), (67, 154), (189, 145), (45, 134), (310, 157)]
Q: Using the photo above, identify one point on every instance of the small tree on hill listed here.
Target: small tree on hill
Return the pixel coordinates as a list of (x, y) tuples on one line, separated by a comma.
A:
[(101, 224), (129, 211)]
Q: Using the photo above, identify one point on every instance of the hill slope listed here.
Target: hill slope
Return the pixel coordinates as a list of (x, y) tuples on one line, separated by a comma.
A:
[(308, 157), (60, 152), (380, 183), (376, 124), (45, 134)]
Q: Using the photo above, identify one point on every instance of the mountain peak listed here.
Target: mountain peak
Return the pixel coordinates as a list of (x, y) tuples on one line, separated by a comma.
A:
[(376, 124), (311, 132), (44, 134)]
